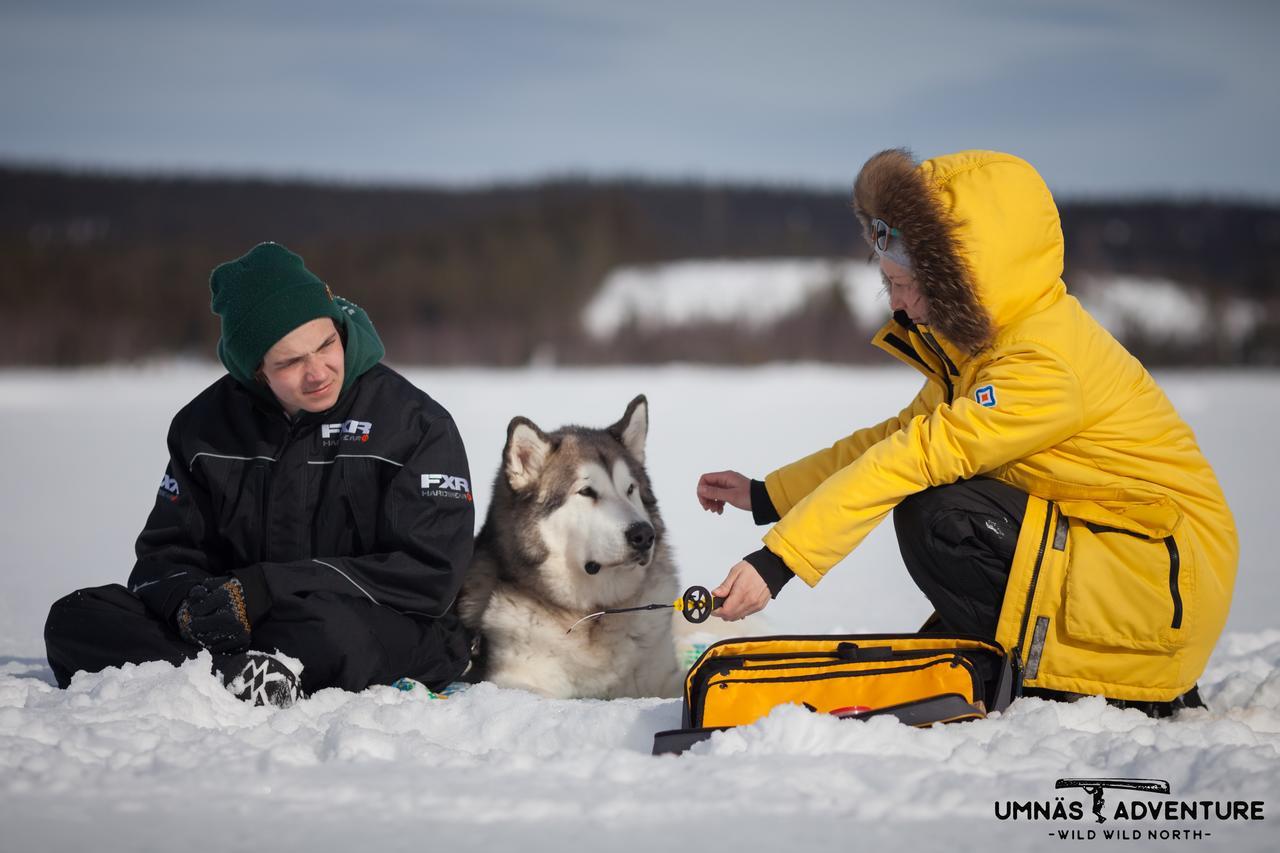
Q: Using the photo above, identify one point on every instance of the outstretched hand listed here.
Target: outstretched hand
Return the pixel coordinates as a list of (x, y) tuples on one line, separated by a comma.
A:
[(744, 591), (721, 487)]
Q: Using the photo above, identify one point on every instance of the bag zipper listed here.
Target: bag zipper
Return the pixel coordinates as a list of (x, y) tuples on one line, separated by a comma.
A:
[(913, 654), (719, 665), (952, 660), (986, 642), (758, 663)]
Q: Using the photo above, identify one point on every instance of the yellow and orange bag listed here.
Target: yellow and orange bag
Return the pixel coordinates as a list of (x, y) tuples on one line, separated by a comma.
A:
[(921, 679)]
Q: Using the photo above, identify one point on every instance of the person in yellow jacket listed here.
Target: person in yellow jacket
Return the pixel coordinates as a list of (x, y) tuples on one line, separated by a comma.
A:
[(1044, 490)]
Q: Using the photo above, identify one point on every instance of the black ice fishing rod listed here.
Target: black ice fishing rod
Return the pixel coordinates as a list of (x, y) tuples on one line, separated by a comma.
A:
[(695, 605)]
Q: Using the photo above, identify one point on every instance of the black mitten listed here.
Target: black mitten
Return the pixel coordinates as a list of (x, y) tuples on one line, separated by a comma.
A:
[(214, 616)]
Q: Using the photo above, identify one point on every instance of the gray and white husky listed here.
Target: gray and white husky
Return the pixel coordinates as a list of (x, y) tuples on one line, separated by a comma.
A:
[(573, 528)]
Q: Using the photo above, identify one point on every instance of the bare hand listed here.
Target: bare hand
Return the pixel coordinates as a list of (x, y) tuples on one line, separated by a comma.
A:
[(721, 487), (745, 592)]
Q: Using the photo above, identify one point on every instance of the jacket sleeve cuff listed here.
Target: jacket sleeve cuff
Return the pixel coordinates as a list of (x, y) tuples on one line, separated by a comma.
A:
[(164, 597), (257, 598), (772, 570), (762, 509)]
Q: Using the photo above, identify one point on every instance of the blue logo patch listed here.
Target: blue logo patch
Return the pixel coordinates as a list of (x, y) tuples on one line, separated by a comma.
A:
[(986, 396)]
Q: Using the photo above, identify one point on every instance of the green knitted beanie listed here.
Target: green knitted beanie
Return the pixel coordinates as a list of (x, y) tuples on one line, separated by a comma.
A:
[(262, 297)]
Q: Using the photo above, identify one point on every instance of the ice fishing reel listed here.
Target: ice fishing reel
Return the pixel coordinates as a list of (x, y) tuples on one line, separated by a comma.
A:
[(695, 605)]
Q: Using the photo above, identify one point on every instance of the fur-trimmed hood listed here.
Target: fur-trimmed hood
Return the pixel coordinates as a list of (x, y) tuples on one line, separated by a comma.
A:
[(982, 230)]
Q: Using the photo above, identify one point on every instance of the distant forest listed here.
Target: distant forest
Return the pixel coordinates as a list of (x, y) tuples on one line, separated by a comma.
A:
[(101, 267)]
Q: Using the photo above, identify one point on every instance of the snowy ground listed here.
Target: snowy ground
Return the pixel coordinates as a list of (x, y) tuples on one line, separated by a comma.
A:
[(155, 757)]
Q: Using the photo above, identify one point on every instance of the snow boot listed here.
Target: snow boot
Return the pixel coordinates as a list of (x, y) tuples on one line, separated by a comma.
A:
[(1161, 710), (259, 678)]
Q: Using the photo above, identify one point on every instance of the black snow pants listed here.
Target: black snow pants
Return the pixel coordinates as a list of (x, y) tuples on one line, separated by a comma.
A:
[(958, 542), (342, 641)]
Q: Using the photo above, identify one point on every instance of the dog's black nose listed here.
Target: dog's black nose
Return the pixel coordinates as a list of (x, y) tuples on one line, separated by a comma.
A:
[(640, 536)]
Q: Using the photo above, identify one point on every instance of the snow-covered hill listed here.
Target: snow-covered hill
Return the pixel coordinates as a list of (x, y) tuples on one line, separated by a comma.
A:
[(749, 293), (756, 293)]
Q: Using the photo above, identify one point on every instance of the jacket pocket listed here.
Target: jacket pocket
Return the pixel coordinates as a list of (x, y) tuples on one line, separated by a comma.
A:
[(363, 501), (1127, 590), (237, 498)]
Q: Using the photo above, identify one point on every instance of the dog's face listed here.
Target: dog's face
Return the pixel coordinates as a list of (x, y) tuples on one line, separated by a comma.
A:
[(587, 500)]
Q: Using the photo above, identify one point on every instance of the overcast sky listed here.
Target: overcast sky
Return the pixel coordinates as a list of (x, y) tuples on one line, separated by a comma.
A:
[(1104, 97)]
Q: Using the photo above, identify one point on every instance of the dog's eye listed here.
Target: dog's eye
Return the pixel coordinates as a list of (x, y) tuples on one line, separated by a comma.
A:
[(588, 492), (631, 490)]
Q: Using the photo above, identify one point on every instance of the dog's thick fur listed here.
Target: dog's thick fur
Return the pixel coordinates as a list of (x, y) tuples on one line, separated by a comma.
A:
[(563, 538)]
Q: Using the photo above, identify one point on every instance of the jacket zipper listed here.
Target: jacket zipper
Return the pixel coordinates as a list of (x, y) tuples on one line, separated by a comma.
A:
[(266, 499), (937, 348), (1174, 567), (924, 366), (949, 367), (266, 494), (1031, 594)]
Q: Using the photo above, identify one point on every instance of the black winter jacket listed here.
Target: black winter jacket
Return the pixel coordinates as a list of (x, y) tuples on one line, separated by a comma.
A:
[(372, 499)]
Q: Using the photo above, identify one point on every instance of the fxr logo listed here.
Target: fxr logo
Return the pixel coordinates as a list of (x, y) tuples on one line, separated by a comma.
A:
[(445, 486), (169, 487), (445, 482), (347, 428)]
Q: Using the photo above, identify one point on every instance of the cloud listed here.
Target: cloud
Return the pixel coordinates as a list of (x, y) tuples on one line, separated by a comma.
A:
[(477, 90)]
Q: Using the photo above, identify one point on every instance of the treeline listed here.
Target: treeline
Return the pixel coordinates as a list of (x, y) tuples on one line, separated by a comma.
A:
[(102, 267)]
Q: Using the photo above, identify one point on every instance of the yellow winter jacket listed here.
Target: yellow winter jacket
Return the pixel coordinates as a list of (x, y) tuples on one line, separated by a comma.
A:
[(1127, 556)]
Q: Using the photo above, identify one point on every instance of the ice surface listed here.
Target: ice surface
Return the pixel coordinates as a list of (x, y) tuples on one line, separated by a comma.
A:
[(157, 757), (87, 453)]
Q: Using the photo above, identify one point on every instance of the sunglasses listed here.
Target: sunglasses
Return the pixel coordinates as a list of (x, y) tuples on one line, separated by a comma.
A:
[(882, 232)]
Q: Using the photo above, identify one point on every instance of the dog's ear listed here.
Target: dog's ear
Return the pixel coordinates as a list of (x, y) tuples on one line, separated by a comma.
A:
[(633, 428), (526, 453)]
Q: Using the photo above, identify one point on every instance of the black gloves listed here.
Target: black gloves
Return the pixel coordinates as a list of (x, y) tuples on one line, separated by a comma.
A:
[(214, 616)]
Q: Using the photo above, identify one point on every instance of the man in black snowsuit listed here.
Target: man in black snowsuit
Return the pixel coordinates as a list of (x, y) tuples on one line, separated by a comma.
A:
[(316, 506)]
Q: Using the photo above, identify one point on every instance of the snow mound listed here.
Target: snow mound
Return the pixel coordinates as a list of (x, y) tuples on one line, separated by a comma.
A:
[(1157, 308), (753, 293), (151, 753)]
